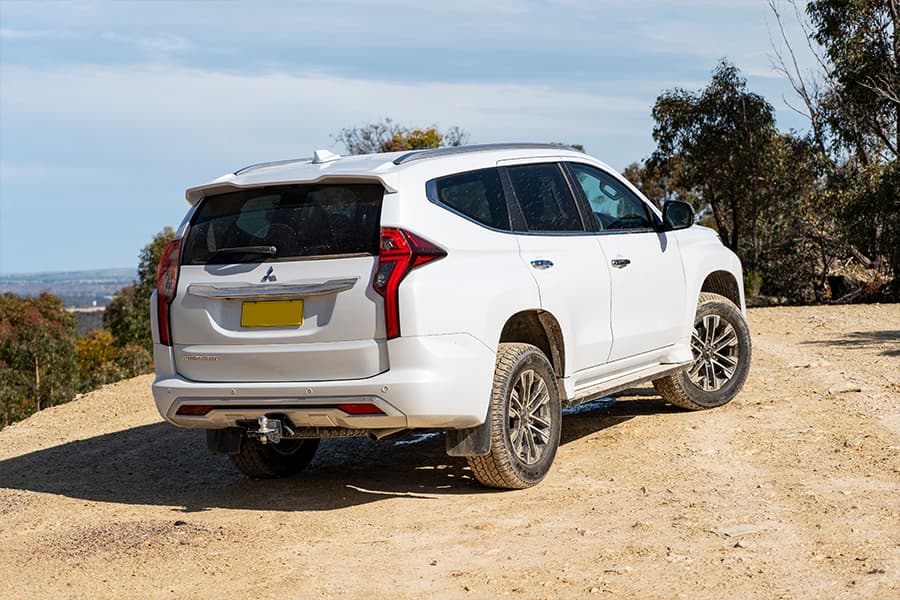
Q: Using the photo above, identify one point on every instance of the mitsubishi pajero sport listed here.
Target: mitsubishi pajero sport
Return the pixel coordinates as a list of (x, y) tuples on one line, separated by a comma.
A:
[(475, 290)]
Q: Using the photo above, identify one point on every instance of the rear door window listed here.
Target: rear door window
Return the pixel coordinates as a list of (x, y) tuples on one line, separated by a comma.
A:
[(285, 223), (544, 197), (477, 195)]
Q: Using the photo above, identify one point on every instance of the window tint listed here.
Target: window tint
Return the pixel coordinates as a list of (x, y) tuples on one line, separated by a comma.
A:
[(476, 194), (544, 198), (615, 207), (298, 220)]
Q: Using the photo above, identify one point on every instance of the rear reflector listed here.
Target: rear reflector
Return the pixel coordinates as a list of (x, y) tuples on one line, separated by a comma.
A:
[(194, 410), (360, 409)]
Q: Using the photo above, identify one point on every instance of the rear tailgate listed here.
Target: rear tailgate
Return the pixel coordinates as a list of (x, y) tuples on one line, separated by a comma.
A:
[(275, 285)]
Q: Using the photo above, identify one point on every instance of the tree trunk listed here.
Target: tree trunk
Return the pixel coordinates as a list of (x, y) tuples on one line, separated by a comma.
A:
[(37, 383), (894, 7), (720, 221), (735, 225)]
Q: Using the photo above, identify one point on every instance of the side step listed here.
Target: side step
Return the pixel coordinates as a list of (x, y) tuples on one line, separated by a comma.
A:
[(622, 382)]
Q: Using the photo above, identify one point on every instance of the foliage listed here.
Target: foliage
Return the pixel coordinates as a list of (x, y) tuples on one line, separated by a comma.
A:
[(719, 143), (100, 361), (859, 39), (871, 214), (37, 357), (660, 184), (764, 190), (128, 315), (389, 136), (93, 351), (853, 105)]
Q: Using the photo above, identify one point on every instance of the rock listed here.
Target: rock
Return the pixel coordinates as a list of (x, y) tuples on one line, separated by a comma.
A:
[(737, 530), (180, 523), (844, 389), (852, 443)]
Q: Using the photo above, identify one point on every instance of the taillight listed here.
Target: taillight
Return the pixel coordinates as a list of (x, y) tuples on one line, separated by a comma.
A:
[(400, 252), (166, 286)]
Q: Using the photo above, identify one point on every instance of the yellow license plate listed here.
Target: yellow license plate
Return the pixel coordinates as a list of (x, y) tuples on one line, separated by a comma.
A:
[(280, 313)]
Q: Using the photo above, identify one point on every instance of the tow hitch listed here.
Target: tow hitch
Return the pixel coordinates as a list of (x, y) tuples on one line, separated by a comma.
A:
[(270, 431)]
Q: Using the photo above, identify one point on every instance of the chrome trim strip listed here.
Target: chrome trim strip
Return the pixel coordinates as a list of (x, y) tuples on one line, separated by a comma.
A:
[(271, 291)]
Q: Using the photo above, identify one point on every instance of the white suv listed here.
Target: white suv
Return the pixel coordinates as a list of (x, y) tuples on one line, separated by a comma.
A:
[(475, 290)]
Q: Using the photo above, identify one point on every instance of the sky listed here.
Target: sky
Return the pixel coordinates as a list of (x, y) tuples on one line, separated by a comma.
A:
[(109, 110)]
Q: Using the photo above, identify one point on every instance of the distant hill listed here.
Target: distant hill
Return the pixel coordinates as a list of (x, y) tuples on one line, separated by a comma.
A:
[(76, 288)]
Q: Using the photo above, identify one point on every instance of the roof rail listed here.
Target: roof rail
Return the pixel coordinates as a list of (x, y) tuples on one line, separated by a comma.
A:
[(273, 163), (422, 154)]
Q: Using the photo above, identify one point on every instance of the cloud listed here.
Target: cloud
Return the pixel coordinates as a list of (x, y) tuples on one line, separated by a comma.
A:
[(194, 114), (7, 33), (162, 43)]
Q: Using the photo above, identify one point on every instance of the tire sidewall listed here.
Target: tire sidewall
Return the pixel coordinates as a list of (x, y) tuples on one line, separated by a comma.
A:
[(535, 361)]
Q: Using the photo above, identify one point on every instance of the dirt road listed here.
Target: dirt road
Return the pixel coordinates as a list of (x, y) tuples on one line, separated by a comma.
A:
[(791, 491)]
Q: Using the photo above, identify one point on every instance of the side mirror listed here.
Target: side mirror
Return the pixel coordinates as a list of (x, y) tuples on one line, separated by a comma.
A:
[(677, 215)]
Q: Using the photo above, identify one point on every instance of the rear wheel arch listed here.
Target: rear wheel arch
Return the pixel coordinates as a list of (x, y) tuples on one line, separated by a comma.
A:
[(541, 329)]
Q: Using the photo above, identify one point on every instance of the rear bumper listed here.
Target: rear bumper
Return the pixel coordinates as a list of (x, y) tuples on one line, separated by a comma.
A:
[(441, 381)]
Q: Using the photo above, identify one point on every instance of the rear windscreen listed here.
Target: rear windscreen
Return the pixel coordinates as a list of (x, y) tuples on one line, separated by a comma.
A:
[(284, 223)]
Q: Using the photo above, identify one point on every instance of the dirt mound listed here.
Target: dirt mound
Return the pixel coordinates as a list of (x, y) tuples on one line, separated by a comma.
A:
[(789, 491)]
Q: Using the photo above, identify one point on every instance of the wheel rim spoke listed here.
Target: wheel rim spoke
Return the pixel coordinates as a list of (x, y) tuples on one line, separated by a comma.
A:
[(529, 417), (714, 344), (695, 369), (727, 339)]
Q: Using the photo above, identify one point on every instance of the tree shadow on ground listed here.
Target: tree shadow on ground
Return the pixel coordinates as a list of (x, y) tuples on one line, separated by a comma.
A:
[(159, 464), (866, 340)]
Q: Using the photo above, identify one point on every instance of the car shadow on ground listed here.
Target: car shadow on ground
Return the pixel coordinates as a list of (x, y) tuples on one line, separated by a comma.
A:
[(865, 340), (159, 464)]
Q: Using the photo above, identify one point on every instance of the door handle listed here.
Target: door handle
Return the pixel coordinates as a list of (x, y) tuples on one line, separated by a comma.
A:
[(620, 263), (540, 265)]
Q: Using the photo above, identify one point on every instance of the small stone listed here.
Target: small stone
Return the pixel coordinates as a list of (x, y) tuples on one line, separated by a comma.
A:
[(875, 572), (594, 590), (852, 443), (737, 530), (844, 390), (180, 523), (433, 563)]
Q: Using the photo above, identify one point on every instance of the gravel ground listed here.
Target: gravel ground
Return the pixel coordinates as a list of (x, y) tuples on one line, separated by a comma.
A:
[(790, 491)]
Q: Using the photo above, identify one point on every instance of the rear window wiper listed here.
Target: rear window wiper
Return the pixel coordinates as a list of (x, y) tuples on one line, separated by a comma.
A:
[(264, 250)]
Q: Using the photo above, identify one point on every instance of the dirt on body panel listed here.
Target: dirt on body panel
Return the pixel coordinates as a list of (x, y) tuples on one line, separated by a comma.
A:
[(790, 491)]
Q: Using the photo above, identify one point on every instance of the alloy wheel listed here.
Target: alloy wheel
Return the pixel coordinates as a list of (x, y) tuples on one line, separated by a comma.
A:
[(714, 344), (529, 417)]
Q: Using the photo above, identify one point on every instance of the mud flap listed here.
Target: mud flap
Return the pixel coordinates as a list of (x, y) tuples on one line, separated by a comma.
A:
[(224, 441), (475, 441)]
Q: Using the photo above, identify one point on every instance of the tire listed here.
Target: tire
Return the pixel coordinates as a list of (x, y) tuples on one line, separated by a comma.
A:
[(267, 461), (720, 343), (522, 449)]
